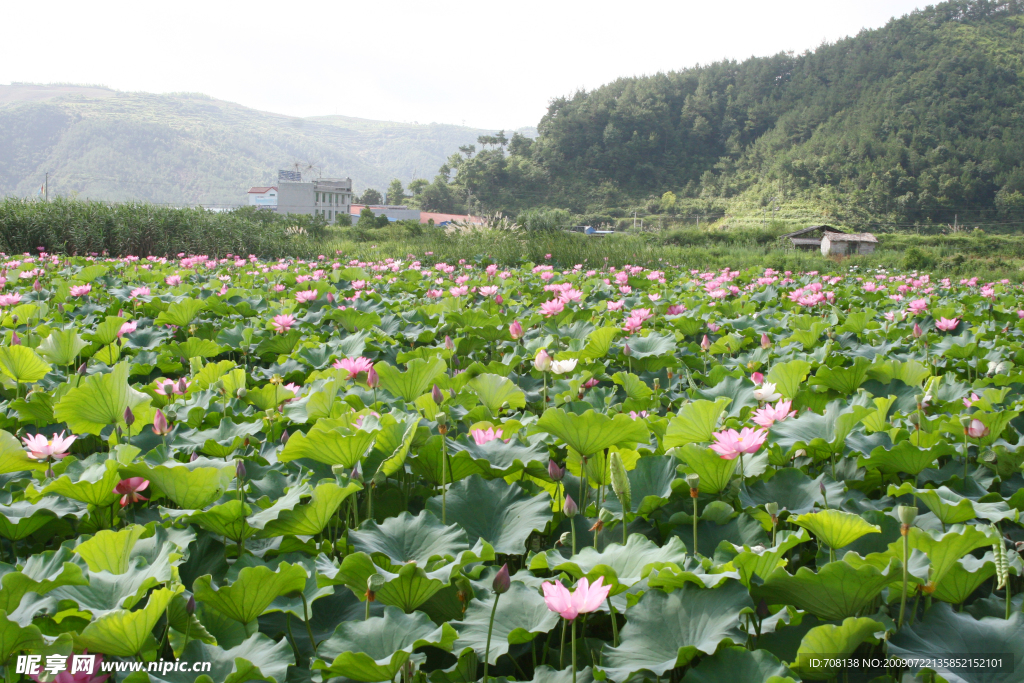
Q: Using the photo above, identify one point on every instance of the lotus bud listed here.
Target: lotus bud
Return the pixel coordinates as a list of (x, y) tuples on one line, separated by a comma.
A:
[(564, 539), (499, 299), (693, 480), (240, 469), (190, 606), (821, 487), (570, 508), (757, 378), (193, 457), (502, 582), (515, 330), (977, 429), (620, 482), (436, 394), (81, 368), (448, 343), (330, 297), (372, 378), (799, 453), (906, 513), (705, 343), (129, 416), (918, 332), (626, 351), (160, 426), (357, 474), (765, 341), (554, 471), (182, 386), (542, 361), (15, 339)]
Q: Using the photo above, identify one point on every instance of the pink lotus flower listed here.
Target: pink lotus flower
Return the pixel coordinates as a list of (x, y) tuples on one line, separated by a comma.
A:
[(542, 361), (458, 291), (168, 387), (945, 324), (129, 488), (515, 330), (353, 365), (92, 675), (41, 448), (139, 291), (971, 399), (615, 305), (81, 290), (769, 415), (9, 299), (757, 378), (918, 305), (730, 443), (482, 436), (584, 599), (488, 291), (676, 309), (172, 280), (306, 296), (553, 307), (127, 328), (283, 323), (977, 430)]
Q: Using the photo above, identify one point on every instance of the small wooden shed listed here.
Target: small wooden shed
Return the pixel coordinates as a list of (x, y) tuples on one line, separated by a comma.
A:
[(809, 239), (844, 244)]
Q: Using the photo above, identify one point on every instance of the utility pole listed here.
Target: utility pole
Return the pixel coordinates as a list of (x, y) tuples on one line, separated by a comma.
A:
[(46, 186), (634, 220)]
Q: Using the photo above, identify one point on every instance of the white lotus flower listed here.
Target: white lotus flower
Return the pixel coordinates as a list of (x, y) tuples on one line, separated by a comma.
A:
[(766, 392), (560, 367)]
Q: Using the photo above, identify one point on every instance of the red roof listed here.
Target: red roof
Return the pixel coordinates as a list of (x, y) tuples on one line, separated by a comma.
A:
[(448, 218), (261, 190)]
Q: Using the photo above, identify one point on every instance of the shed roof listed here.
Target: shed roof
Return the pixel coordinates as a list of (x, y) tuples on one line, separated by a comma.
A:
[(261, 190), (813, 228), (856, 237)]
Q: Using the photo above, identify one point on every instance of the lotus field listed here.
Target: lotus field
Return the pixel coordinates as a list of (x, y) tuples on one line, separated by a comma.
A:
[(403, 470)]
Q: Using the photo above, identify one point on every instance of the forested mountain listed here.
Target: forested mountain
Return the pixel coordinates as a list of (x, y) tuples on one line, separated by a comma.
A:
[(920, 120), (187, 148)]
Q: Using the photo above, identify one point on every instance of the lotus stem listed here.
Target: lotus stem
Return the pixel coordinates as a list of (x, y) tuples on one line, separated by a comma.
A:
[(490, 627), (306, 614), (615, 625), (573, 651), (906, 559), (561, 648), (444, 481), (693, 494)]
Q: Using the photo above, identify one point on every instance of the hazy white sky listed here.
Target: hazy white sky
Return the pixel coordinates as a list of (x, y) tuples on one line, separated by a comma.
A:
[(488, 64)]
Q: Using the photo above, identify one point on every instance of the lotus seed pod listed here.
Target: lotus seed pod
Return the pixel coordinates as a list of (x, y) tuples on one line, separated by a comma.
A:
[(565, 538), (242, 392), (907, 514), (693, 480), (620, 482), (605, 516), (441, 419), (772, 509)]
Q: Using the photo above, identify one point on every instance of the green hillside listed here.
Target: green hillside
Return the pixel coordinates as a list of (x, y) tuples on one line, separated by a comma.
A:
[(920, 121), (187, 148)]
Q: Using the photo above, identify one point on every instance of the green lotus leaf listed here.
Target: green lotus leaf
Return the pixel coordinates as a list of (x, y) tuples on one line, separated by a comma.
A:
[(496, 458), (599, 342), (251, 592), (110, 550), (15, 638), (394, 441), (62, 347), (407, 587), (750, 563), (191, 485), (620, 565), (228, 519), (715, 472), (22, 364), (13, 457), (414, 381), (291, 602), (100, 401), (180, 313), (945, 549), (329, 445), (835, 528), (212, 372), (494, 391), (844, 380), (123, 633), (257, 658), (201, 348), (284, 503), (502, 514), (788, 377), (942, 630), (695, 422), (832, 427), (650, 485), (904, 457), (89, 481), (106, 332), (375, 649), (592, 432), (352, 319), (311, 518), (421, 539), (40, 574), (651, 345), (949, 506), (21, 518), (634, 387), (996, 422), (269, 396), (429, 461), (837, 591), (180, 621), (667, 630), (670, 578), (791, 489), (964, 577), (832, 641), (731, 664), (521, 614)]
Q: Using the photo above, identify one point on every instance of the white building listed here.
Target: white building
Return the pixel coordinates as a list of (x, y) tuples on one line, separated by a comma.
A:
[(263, 196)]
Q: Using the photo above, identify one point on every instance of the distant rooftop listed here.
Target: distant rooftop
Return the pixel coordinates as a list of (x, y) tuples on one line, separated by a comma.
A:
[(261, 190)]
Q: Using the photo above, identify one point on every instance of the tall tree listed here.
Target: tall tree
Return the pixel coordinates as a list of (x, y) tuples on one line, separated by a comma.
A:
[(370, 197), (396, 194)]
